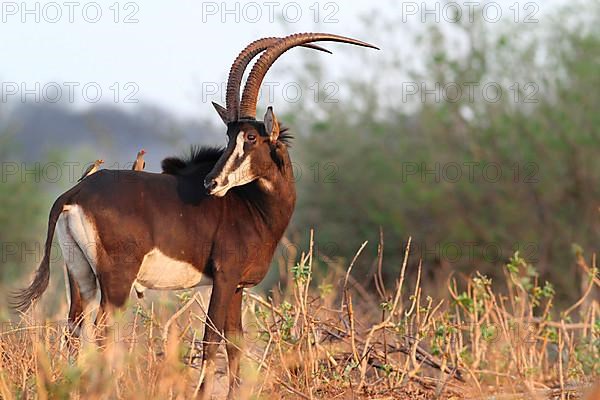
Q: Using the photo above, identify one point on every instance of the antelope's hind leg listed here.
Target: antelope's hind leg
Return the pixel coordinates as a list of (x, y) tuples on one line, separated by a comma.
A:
[(75, 317), (83, 287), (116, 280), (84, 297)]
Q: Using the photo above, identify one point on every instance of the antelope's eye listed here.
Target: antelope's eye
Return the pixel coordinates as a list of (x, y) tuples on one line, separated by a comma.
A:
[(251, 137)]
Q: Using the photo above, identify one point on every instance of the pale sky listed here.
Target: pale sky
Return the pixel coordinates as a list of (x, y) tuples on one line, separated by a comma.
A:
[(173, 51)]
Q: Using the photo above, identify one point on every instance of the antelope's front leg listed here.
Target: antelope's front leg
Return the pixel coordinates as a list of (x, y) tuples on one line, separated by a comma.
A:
[(234, 336), (222, 293)]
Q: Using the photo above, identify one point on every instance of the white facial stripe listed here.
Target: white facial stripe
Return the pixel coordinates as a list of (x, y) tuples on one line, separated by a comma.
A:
[(238, 151), (242, 175), (239, 144), (239, 177)]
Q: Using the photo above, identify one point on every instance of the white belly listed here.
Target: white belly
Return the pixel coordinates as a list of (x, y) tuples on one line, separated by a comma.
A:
[(159, 271)]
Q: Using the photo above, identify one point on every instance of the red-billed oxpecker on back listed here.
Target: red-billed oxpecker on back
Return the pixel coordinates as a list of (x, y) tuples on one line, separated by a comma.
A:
[(93, 168), (139, 164), (213, 218)]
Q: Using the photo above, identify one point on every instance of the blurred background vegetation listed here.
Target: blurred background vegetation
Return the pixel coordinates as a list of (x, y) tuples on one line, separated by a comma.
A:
[(363, 160), (394, 165)]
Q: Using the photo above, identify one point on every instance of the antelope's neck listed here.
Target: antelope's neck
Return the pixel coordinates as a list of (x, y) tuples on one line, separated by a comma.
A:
[(279, 192)]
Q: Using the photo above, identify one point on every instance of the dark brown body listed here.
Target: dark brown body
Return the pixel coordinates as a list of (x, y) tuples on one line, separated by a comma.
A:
[(211, 233)]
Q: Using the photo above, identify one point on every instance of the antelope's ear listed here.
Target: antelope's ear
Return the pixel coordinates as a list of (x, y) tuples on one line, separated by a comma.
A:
[(222, 111), (271, 125)]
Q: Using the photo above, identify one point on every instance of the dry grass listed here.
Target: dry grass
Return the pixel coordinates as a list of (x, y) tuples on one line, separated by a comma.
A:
[(332, 340)]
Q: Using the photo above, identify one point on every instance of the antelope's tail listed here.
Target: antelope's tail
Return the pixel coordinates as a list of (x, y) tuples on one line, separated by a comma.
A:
[(21, 300)]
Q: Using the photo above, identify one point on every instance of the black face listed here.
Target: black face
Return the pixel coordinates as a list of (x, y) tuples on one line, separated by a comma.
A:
[(246, 158)]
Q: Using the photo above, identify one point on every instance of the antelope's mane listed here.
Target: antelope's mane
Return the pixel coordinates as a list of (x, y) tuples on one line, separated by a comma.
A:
[(199, 157)]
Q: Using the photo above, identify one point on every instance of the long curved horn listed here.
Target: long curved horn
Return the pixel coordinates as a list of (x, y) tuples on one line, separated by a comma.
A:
[(260, 68), (232, 97)]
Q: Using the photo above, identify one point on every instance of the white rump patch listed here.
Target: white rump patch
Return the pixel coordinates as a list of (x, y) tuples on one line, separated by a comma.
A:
[(75, 227), (78, 240), (159, 271)]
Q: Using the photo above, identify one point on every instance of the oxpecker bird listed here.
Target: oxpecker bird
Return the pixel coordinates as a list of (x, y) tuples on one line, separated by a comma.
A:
[(91, 169), (139, 164)]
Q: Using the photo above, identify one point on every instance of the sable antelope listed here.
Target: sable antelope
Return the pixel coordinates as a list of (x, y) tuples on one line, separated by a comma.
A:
[(139, 164), (214, 218), (91, 169)]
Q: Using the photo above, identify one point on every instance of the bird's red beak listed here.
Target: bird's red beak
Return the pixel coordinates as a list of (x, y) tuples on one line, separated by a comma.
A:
[(143, 151)]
